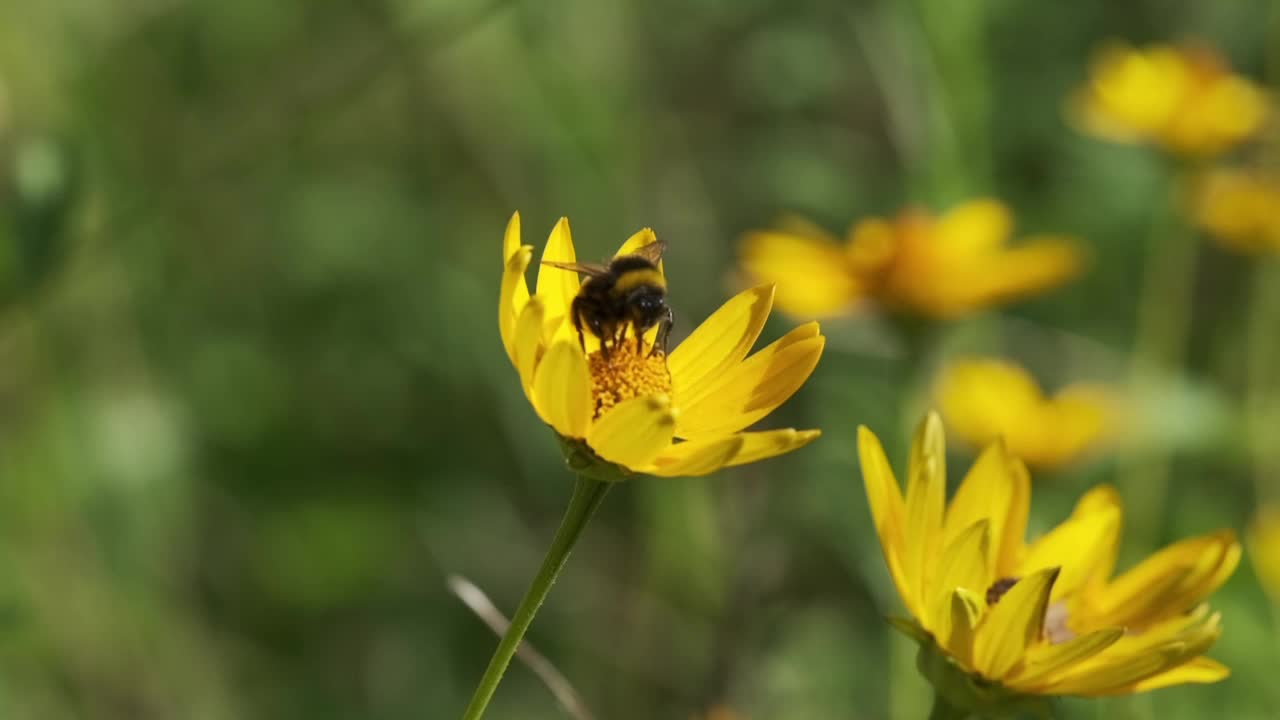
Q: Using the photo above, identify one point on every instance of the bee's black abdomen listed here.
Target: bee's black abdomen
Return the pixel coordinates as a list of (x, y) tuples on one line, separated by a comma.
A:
[(630, 262)]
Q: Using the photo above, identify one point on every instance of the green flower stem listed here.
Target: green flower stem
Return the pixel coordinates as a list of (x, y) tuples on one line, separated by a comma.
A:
[(955, 76), (1164, 314), (1263, 393), (587, 496), (1262, 399), (943, 710)]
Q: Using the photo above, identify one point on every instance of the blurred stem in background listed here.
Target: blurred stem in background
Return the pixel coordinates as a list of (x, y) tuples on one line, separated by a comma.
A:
[(1262, 399), (945, 160), (1160, 343), (587, 496), (1263, 392), (928, 61), (952, 67), (952, 84)]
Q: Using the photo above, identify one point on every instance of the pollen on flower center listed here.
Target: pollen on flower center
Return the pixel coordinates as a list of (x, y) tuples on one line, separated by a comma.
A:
[(624, 374)]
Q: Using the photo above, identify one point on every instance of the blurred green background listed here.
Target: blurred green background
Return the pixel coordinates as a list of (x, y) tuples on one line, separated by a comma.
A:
[(254, 407)]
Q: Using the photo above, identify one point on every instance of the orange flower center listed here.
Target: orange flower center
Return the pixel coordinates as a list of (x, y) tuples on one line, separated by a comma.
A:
[(624, 373)]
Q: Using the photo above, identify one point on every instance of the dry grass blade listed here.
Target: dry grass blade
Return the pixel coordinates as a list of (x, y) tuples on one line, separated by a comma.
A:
[(479, 603)]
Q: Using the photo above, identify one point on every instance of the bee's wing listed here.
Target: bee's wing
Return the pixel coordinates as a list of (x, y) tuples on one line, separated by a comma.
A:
[(651, 252), (592, 269)]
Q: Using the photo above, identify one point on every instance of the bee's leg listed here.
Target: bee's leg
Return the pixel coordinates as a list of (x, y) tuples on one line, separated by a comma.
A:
[(604, 337), (639, 339), (664, 331), (575, 311)]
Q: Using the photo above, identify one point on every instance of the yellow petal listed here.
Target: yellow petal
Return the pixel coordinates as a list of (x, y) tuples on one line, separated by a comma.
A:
[(1198, 670), (645, 236), (1147, 608), (963, 565), (973, 228), (753, 388), (984, 400), (1045, 662), (926, 494), (871, 246), (887, 512), (634, 432), (562, 389), (1199, 565), (1264, 547), (1013, 625), (1227, 567), (1099, 679), (511, 238), (558, 287), (719, 343), (1199, 628), (513, 295), (811, 274), (1032, 267), (790, 224), (1125, 672), (1102, 499), (965, 612), (1079, 546), (757, 446), (695, 458), (528, 348), (985, 494), (1170, 642), (1079, 416), (1015, 526)]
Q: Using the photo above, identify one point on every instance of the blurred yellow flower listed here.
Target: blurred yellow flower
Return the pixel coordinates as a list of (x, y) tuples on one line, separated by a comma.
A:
[(1184, 99), (938, 267), (1240, 209), (984, 400), (1264, 548), (630, 406), (1003, 621)]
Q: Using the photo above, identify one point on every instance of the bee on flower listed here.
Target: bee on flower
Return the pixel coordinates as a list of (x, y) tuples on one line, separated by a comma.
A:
[(917, 263), (1183, 99), (1003, 623), (1240, 209), (592, 359), (984, 400)]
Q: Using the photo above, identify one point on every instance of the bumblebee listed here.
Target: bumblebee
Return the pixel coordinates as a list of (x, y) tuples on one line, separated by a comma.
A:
[(629, 292)]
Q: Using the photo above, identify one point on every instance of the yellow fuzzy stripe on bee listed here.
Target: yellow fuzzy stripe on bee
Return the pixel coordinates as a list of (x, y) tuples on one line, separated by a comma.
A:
[(633, 279)]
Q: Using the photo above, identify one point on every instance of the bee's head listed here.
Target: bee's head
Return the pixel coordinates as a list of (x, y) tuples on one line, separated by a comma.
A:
[(647, 305)]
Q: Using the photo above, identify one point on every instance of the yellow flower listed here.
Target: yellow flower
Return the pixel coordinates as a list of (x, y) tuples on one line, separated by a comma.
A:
[(1000, 620), (938, 267), (1264, 547), (641, 411), (1240, 209), (984, 400), (1184, 99)]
